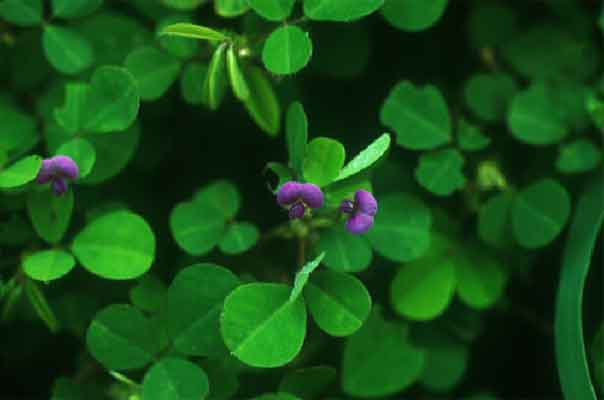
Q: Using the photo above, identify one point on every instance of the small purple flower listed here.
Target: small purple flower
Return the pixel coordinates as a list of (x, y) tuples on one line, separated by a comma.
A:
[(297, 196), (58, 170), (361, 210)]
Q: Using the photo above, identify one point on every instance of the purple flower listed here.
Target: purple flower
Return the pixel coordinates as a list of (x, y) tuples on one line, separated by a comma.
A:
[(58, 170), (297, 196), (361, 210)]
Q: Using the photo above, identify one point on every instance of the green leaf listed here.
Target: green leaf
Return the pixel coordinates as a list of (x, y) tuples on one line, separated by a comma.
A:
[(82, 152), (175, 379), (47, 265), (284, 174), (480, 278), (596, 353), (113, 152), (533, 117), (441, 172), (470, 137), (153, 70), (422, 290), (338, 302), (379, 360), (196, 227), (222, 196), (446, 362), (413, 15), (224, 383), (340, 10), (20, 173), (231, 8), (22, 12), (568, 328), (40, 305), (488, 95), (117, 245), (491, 24), (149, 294), (578, 156), (215, 84), (191, 82), (238, 83), (540, 212), (50, 214), (261, 326), (418, 115), (273, 10), (195, 300), (287, 50), (402, 228), (323, 161), (344, 252), (239, 237), (121, 338), (263, 104), (113, 100), (67, 50), (181, 47), (302, 276), (595, 108), (366, 158), (185, 5), (296, 135), (494, 221), (308, 383), (17, 130), (74, 8), (276, 396), (71, 115), (193, 31)]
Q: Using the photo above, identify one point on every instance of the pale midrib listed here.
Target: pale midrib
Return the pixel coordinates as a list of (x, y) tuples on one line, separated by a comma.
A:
[(427, 124), (70, 55), (102, 113), (342, 249), (197, 322), (540, 216), (335, 301), (143, 257), (541, 124), (287, 45), (440, 172), (185, 233), (159, 72), (123, 339)]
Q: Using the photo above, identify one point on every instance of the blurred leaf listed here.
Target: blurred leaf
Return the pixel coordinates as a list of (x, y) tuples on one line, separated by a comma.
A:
[(222, 195), (113, 100), (470, 137), (323, 161), (276, 396), (215, 85), (533, 117), (40, 305), (540, 212), (69, 389), (71, 115), (413, 15), (578, 156), (284, 174), (20, 173), (223, 380), (231, 8), (568, 328), (338, 302), (489, 95), (182, 47), (491, 24), (418, 115), (302, 276), (367, 157), (191, 82), (494, 220), (193, 31), (273, 10), (446, 363), (121, 338), (22, 12), (66, 50), (238, 83), (50, 214), (74, 8), (379, 360), (344, 252), (597, 358), (263, 104), (261, 326), (149, 294), (183, 4), (340, 10), (47, 265), (195, 300), (308, 383), (239, 237), (175, 379), (595, 107), (196, 227), (296, 136), (82, 152), (16, 129), (441, 172), (402, 228), (287, 50), (480, 278), (153, 70), (117, 245)]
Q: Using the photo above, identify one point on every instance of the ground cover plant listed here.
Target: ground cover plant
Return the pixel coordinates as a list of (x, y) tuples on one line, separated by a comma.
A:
[(301, 199)]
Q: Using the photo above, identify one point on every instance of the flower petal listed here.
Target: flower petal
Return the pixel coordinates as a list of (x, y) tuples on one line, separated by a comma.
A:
[(289, 193), (312, 195), (365, 202), (65, 167), (297, 211), (359, 223), (347, 206), (45, 174), (59, 186)]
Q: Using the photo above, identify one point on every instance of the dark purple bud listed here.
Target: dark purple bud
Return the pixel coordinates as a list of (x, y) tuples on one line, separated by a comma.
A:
[(59, 186), (311, 195), (289, 193), (46, 173), (65, 167), (359, 223), (347, 207), (297, 211), (365, 202)]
